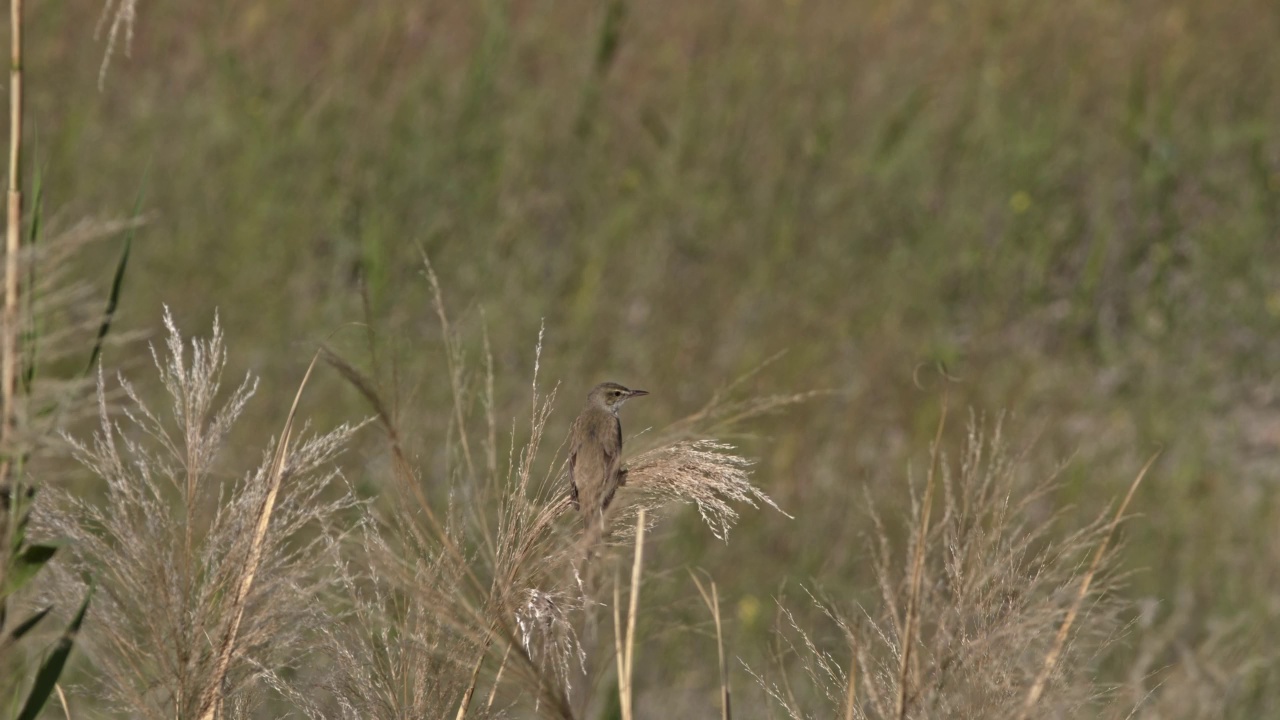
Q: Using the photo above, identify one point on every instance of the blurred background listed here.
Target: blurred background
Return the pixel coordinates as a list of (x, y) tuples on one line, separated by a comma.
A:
[(1073, 208)]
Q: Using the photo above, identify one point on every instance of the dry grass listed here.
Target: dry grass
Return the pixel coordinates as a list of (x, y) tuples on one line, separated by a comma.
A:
[(390, 654), (737, 191), (625, 645), (174, 540), (964, 627), (1057, 201), (59, 311), (712, 601), (703, 472), (492, 550), (468, 595)]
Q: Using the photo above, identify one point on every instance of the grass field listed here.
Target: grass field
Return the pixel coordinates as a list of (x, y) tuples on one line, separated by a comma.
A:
[(805, 227)]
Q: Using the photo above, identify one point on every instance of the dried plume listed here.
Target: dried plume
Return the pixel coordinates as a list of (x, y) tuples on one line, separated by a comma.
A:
[(174, 540), (965, 623)]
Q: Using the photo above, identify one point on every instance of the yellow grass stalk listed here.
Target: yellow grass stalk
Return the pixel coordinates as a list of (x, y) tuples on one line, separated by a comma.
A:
[(211, 699), (13, 243), (625, 656), (917, 569), (1060, 641), (713, 604), (851, 692)]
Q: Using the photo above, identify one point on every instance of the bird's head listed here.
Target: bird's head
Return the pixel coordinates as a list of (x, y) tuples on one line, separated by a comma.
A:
[(611, 395)]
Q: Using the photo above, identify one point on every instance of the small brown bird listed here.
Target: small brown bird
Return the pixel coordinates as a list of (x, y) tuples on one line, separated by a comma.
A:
[(595, 450)]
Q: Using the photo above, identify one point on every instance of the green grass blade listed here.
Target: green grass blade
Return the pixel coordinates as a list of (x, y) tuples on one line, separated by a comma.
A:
[(24, 627), (51, 668), (30, 332), (26, 564), (607, 44), (117, 283), (33, 233), (610, 36)]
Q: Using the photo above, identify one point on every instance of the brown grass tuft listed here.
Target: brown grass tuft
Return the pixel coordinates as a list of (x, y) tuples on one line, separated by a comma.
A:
[(174, 540), (494, 552), (702, 472), (989, 587)]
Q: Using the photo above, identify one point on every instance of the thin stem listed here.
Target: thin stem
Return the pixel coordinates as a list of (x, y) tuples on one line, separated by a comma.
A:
[(211, 699), (493, 692), (9, 331), (619, 655), (917, 569), (13, 233), (712, 601), (851, 688), (475, 676), (1060, 641), (625, 681)]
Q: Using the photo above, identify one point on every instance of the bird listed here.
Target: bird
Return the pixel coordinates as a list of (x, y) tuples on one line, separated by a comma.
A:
[(595, 451)]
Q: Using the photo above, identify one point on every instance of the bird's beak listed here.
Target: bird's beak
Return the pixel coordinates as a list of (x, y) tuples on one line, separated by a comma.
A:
[(638, 393)]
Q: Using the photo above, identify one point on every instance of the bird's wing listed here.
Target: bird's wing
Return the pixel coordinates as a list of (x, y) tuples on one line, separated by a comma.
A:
[(573, 461), (612, 465), (593, 463)]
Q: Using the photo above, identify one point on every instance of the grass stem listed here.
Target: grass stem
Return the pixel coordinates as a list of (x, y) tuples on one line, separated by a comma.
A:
[(1060, 641)]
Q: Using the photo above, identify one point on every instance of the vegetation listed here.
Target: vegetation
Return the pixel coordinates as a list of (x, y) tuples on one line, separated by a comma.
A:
[(806, 227)]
